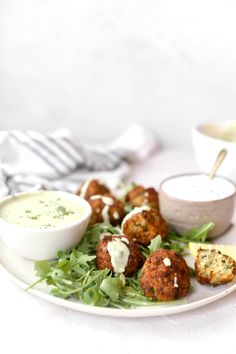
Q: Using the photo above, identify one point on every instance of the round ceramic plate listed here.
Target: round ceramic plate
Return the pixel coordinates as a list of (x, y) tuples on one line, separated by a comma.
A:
[(22, 273)]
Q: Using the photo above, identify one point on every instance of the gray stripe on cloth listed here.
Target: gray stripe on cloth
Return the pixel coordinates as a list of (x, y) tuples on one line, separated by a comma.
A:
[(37, 152), (63, 164)]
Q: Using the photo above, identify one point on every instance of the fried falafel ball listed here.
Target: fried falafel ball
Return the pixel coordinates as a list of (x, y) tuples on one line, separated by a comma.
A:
[(117, 253), (92, 187), (106, 208), (140, 195), (165, 276), (143, 224)]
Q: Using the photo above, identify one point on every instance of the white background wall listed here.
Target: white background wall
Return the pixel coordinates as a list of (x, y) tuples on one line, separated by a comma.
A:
[(96, 66)]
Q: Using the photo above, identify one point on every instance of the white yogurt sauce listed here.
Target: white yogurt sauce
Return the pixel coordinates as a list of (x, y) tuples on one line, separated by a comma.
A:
[(133, 212), (198, 188), (167, 262), (119, 253), (108, 201), (84, 188), (116, 215), (124, 239), (175, 281), (105, 214)]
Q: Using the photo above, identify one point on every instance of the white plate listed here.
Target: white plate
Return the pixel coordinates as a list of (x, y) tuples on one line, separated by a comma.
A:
[(22, 273)]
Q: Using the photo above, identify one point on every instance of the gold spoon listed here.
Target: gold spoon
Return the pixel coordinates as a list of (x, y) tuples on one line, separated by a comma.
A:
[(220, 158)]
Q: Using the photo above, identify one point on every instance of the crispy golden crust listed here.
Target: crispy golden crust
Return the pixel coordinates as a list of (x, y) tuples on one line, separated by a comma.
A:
[(144, 226), (214, 268), (116, 211), (162, 282), (94, 188), (139, 196), (103, 259)]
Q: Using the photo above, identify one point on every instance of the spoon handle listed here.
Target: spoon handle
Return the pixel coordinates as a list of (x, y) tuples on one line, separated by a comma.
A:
[(220, 158)]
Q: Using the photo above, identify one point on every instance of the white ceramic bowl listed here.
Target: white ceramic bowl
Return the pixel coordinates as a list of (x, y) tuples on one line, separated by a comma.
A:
[(183, 215), (36, 243), (208, 140)]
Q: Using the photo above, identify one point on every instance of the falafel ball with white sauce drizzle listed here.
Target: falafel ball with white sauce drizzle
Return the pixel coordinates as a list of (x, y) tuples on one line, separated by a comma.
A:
[(143, 224), (119, 254), (106, 208), (92, 187)]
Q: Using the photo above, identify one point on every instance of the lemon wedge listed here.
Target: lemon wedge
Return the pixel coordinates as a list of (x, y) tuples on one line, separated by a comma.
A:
[(229, 250)]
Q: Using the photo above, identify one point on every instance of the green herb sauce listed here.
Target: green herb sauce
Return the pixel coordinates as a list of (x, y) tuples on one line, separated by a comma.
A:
[(41, 210)]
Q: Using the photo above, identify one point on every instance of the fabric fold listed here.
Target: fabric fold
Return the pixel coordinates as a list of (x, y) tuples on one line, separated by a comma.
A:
[(32, 160)]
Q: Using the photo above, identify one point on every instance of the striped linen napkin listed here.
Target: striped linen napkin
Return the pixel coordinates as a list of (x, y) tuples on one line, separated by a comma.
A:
[(31, 160)]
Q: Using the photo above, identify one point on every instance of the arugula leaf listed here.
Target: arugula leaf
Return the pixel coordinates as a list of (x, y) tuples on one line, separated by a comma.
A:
[(91, 296), (127, 187), (179, 243), (92, 236), (74, 274), (155, 244), (42, 268), (200, 234), (191, 272), (194, 235), (112, 287)]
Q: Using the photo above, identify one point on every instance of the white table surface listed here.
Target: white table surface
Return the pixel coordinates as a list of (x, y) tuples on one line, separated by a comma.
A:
[(31, 325)]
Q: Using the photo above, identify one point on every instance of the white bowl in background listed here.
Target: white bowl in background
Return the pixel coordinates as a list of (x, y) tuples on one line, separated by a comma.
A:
[(183, 213), (208, 139), (42, 243)]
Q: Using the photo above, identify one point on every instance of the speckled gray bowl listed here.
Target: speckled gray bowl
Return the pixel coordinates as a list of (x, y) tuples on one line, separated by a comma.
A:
[(183, 215)]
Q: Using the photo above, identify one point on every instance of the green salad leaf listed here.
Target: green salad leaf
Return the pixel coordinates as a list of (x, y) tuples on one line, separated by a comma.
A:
[(42, 268), (74, 274), (155, 244), (179, 243), (194, 235), (93, 236), (112, 287), (126, 188)]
